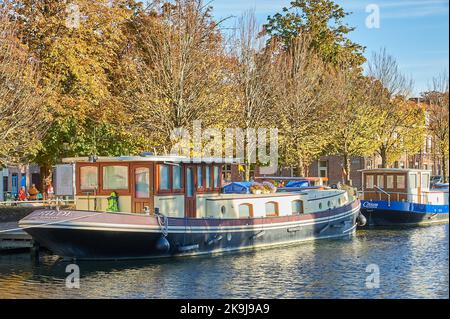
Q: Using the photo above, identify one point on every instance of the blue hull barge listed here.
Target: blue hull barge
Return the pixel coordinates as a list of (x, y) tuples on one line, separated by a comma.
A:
[(402, 197)]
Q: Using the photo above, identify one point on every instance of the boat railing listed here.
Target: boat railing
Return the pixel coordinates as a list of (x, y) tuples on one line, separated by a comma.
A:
[(422, 197), (384, 192), (45, 202)]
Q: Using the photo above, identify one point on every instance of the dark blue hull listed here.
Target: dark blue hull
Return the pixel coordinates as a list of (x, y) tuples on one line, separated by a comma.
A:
[(380, 213), (195, 238)]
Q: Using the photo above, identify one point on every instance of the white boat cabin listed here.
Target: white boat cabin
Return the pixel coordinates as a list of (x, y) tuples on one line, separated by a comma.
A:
[(402, 185), (178, 188)]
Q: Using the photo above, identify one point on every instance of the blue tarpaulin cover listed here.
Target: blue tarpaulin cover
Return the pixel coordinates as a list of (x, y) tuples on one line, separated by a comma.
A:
[(237, 188), (298, 184)]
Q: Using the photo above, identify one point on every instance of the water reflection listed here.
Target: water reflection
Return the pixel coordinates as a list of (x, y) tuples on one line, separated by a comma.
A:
[(413, 264)]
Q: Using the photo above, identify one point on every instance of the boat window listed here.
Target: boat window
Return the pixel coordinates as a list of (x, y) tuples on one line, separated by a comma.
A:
[(400, 181), (271, 209), (245, 211), (329, 204), (320, 205), (199, 176), (390, 181), (425, 181), (216, 177), (207, 177), (164, 175), (142, 182), (115, 177), (297, 207), (89, 177), (413, 181), (369, 181), (176, 177), (380, 181), (189, 182)]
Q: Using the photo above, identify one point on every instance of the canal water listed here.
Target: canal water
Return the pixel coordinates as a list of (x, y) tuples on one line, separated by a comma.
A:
[(412, 263)]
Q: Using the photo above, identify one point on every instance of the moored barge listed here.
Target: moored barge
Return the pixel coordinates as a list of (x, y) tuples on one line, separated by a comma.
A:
[(401, 197), (167, 206)]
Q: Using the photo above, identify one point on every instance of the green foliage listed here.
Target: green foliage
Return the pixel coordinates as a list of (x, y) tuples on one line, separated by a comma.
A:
[(78, 50), (322, 20)]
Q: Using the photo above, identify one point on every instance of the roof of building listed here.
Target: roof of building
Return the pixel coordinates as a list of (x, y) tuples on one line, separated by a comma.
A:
[(151, 158)]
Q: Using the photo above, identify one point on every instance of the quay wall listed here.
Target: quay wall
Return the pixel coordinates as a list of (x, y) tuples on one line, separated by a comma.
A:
[(14, 214)]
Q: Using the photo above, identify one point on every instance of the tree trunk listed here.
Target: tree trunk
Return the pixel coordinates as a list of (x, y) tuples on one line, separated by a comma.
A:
[(301, 167), (346, 170), (247, 171), (383, 155), (444, 168)]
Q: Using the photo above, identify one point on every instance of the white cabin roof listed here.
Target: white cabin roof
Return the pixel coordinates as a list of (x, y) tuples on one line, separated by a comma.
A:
[(394, 170), (152, 158)]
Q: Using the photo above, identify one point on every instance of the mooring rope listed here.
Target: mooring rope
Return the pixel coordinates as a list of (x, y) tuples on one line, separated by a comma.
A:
[(49, 223), (164, 227)]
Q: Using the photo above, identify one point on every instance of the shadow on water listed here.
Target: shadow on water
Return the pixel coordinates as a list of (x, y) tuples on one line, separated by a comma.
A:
[(413, 263)]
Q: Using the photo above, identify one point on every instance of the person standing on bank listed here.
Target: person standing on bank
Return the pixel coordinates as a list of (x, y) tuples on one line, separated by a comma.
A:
[(33, 192), (22, 194)]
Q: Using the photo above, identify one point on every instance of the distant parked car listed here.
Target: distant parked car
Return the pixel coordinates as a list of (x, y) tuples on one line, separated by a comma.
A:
[(435, 179), (440, 186)]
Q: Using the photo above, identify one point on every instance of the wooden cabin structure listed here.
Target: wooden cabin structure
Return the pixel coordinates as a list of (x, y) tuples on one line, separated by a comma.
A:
[(401, 185)]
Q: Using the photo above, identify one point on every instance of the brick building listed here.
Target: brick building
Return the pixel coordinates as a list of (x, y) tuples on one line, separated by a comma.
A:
[(14, 177)]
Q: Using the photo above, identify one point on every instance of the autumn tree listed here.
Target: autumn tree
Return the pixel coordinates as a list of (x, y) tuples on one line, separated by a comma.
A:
[(402, 123), (251, 79), (401, 129), (354, 129), (180, 69), (303, 100), (437, 99), (323, 21), (78, 46), (22, 117)]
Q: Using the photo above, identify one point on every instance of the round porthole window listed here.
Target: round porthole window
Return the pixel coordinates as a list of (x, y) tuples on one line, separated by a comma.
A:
[(223, 210), (320, 205)]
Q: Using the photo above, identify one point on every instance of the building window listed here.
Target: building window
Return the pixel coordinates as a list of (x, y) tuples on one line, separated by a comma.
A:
[(245, 211), (5, 183), (271, 209), (369, 181), (226, 173), (89, 177), (297, 207), (323, 168), (164, 177), (176, 177), (216, 177), (115, 177), (400, 181), (390, 182), (380, 181)]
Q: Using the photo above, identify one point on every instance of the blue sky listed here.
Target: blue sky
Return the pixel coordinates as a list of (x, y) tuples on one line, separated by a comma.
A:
[(415, 32)]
